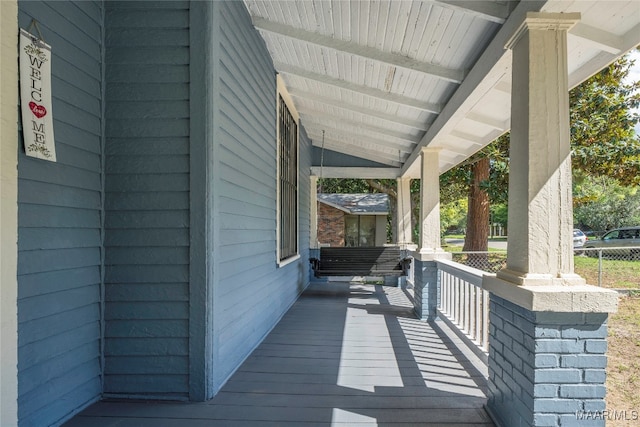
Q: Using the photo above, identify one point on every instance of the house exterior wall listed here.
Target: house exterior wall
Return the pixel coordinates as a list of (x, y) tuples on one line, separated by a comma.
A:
[(147, 200), (250, 291), (113, 297), (330, 225), (59, 225)]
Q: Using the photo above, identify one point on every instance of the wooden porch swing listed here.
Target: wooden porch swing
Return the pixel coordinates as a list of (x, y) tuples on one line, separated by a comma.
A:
[(359, 261)]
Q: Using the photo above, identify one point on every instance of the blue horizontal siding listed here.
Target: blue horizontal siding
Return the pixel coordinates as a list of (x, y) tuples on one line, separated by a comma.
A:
[(32, 215), (252, 292), (146, 291), (153, 219), (66, 321), (133, 365), (55, 368), (72, 95), (45, 193), (149, 110), (147, 199), (58, 409), (144, 329), (145, 73), (333, 158), (136, 346), (64, 173), (46, 305), (58, 238), (156, 309), (40, 261), (163, 385), (31, 354), (159, 146), (59, 226), (150, 164), (141, 15), (146, 273), (134, 91), (148, 256), (73, 135)]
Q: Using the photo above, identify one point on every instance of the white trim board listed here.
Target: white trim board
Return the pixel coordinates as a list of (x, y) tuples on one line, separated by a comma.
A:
[(9, 213)]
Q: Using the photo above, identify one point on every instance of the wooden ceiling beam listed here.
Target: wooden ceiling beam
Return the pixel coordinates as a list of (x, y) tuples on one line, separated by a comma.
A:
[(335, 103), (360, 89), (351, 48)]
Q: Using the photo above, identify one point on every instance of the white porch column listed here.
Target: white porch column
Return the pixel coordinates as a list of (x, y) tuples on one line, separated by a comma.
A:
[(540, 201), (313, 212), (403, 212), (549, 328), (540, 256), (426, 278), (429, 201), (8, 213)]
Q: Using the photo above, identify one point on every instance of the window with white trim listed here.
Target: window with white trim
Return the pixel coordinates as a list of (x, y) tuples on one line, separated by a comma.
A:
[(287, 182)]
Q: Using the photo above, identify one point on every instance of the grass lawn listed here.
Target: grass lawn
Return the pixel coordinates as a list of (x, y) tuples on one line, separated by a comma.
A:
[(623, 369), (615, 274)]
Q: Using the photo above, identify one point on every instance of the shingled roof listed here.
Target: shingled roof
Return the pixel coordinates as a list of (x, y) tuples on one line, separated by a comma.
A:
[(358, 204)]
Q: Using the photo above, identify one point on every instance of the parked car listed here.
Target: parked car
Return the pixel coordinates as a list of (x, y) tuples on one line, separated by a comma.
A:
[(620, 238), (578, 238)]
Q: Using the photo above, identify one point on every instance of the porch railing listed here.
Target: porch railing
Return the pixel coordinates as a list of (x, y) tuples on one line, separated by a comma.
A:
[(464, 304)]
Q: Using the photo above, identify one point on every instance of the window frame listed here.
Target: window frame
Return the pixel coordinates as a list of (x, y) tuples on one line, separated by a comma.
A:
[(283, 99)]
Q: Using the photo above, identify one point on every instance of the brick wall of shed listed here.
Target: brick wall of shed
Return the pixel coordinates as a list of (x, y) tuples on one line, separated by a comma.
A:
[(330, 225)]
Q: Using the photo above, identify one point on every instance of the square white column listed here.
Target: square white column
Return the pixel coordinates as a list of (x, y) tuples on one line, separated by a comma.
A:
[(429, 201), (313, 212), (403, 212), (540, 200)]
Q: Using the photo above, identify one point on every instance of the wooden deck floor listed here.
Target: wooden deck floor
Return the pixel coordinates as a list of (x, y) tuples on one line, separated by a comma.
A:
[(344, 355)]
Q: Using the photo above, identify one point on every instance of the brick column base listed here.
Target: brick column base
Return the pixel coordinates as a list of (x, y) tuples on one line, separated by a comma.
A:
[(546, 368), (426, 289)]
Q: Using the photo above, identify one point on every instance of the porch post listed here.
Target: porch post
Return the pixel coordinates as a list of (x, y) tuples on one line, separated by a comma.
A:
[(426, 277), (403, 211), (540, 207), (8, 213), (547, 340), (429, 201), (313, 212)]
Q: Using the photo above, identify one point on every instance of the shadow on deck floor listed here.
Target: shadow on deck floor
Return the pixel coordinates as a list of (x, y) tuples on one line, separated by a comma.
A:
[(344, 355)]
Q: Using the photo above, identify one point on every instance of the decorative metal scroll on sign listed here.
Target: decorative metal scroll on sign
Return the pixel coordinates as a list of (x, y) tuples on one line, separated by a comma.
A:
[(35, 96)]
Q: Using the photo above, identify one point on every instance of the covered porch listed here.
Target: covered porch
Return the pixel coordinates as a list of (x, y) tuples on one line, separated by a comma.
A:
[(343, 355), (150, 261)]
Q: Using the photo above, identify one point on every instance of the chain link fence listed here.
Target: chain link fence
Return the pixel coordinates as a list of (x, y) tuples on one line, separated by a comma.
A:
[(491, 262), (615, 267), (608, 267)]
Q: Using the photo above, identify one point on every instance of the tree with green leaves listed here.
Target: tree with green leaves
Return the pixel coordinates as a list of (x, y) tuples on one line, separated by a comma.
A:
[(603, 117), (603, 144), (602, 203)]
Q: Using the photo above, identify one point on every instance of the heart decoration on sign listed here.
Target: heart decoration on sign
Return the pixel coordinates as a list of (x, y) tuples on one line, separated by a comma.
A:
[(38, 110)]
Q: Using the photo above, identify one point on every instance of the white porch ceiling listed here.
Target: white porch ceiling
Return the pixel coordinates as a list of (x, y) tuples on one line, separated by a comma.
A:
[(383, 79)]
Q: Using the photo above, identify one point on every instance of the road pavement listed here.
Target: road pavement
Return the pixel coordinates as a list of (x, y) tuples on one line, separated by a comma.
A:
[(493, 244)]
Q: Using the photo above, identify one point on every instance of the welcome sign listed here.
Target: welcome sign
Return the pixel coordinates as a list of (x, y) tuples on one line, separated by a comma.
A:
[(35, 97)]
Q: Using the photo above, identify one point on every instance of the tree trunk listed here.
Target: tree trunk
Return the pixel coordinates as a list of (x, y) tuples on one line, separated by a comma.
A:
[(477, 237)]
